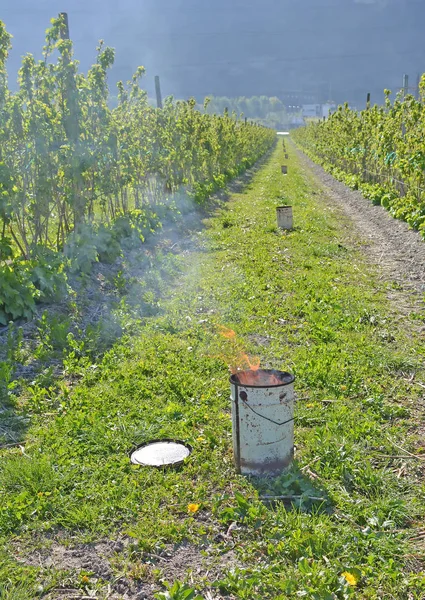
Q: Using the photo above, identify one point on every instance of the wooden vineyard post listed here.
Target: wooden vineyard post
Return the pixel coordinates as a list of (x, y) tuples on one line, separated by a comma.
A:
[(405, 85), (65, 29), (158, 92), (71, 120)]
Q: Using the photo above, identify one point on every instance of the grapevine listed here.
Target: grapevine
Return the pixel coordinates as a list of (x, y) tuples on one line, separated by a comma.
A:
[(379, 150), (72, 168)]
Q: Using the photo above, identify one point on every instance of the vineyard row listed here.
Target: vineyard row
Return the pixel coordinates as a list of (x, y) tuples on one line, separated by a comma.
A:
[(77, 176), (380, 151)]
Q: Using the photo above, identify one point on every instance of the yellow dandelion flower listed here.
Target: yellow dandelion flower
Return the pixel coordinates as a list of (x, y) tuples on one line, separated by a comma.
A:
[(350, 578), (193, 508), (85, 579), (343, 388), (310, 405), (200, 439)]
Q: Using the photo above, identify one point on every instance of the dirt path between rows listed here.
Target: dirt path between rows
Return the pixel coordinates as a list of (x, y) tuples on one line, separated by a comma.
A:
[(398, 251)]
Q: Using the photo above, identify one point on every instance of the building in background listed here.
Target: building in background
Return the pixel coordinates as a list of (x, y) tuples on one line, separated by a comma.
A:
[(317, 111)]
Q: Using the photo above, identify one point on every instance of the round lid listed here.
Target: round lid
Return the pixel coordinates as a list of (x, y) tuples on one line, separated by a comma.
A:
[(160, 453)]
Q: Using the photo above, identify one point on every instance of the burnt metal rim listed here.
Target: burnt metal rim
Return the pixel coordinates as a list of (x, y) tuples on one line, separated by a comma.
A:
[(161, 441), (233, 379), (284, 206)]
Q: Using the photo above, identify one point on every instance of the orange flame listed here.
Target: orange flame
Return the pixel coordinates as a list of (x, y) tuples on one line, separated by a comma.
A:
[(247, 368), (258, 378), (226, 332), (252, 363)]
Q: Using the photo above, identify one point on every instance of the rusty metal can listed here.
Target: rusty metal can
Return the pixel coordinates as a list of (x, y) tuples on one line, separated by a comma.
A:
[(263, 422)]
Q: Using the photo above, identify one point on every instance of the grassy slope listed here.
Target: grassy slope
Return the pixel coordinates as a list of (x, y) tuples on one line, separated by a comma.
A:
[(305, 301)]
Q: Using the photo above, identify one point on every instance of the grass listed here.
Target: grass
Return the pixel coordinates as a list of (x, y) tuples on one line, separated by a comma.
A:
[(305, 301)]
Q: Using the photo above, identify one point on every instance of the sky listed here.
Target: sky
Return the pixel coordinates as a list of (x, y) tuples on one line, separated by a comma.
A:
[(319, 49)]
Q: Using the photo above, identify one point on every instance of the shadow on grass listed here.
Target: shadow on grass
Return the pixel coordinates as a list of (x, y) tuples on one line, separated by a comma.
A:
[(12, 424), (293, 489)]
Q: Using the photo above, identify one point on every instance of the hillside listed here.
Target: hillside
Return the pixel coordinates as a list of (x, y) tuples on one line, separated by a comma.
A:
[(333, 48)]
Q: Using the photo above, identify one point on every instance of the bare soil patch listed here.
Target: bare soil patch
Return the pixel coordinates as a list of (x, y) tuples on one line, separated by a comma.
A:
[(122, 573)]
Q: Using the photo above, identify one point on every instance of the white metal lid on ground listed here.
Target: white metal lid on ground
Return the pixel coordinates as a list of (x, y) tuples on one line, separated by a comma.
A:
[(160, 453)]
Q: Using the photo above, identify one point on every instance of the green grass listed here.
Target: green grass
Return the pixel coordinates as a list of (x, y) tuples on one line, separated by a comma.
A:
[(304, 301)]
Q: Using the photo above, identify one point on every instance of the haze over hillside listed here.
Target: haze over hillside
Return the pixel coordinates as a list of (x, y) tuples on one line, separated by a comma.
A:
[(321, 49)]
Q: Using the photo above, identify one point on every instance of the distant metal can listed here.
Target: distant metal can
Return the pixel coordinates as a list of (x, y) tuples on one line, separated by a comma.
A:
[(284, 217)]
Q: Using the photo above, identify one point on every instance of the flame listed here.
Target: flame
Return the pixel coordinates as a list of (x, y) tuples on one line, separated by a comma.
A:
[(252, 363), (247, 368), (257, 378), (227, 333)]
